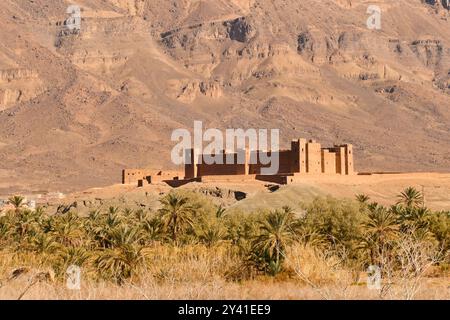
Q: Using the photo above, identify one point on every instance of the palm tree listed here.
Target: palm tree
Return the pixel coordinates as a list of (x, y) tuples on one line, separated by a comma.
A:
[(94, 215), (381, 223), (26, 225), (114, 210), (276, 233), (18, 202), (68, 230), (140, 215), (210, 230), (176, 213), (128, 212), (120, 263), (152, 229), (125, 235), (415, 218), (411, 198), (68, 256), (380, 228), (362, 198), (121, 259), (45, 243), (220, 213), (101, 226)]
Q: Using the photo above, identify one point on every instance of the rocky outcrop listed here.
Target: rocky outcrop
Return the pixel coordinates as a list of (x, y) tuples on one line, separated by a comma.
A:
[(132, 7), (85, 52), (18, 85), (306, 67), (239, 30), (429, 51), (9, 75), (224, 194), (185, 37), (316, 48), (9, 97), (187, 91)]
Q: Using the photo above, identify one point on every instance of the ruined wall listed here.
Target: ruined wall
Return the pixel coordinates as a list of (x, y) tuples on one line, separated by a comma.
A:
[(143, 176), (132, 176)]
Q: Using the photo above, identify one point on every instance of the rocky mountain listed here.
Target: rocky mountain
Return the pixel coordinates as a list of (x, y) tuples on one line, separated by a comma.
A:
[(77, 106)]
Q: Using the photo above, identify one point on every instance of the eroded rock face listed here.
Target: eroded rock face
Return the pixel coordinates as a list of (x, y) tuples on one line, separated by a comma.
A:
[(187, 91), (82, 47), (18, 85), (133, 7), (189, 38), (17, 74), (437, 3), (223, 194), (431, 52), (137, 70), (240, 30)]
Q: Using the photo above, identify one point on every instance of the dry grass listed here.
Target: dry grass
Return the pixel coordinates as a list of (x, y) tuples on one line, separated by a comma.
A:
[(198, 272)]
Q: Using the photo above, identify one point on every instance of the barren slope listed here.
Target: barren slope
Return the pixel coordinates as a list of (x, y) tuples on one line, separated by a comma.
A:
[(77, 108)]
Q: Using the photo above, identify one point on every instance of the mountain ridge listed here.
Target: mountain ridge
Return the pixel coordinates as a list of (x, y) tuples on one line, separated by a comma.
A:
[(76, 108)]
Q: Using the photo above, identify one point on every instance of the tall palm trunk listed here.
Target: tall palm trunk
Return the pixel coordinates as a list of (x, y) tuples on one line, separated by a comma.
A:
[(174, 229)]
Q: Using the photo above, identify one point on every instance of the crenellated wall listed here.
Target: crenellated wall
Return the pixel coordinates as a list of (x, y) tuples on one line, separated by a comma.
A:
[(134, 176), (303, 158)]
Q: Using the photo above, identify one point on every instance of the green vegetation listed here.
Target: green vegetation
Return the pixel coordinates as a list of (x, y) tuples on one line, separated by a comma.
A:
[(120, 245)]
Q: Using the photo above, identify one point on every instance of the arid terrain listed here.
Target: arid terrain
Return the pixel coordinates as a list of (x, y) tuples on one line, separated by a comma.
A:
[(76, 108), (248, 241), (79, 104), (258, 195)]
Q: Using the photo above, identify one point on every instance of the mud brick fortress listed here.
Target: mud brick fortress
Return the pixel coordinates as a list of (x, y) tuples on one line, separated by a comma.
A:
[(303, 158)]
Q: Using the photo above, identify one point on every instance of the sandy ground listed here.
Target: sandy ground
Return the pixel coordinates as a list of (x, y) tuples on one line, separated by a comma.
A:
[(383, 188)]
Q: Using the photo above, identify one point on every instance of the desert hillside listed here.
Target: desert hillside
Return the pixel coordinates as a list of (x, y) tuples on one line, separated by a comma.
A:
[(76, 108)]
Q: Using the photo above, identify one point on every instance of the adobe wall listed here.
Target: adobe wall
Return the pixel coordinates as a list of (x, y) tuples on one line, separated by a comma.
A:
[(340, 159), (298, 154), (303, 157), (328, 162), (278, 179), (204, 169), (220, 169), (349, 165), (314, 157), (227, 178), (285, 162), (190, 167), (163, 176), (132, 176)]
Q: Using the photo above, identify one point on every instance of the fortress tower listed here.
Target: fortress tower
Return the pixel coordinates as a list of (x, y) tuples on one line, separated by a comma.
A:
[(302, 158)]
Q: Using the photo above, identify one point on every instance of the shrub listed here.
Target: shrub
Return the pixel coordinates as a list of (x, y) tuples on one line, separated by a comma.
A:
[(337, 222)]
